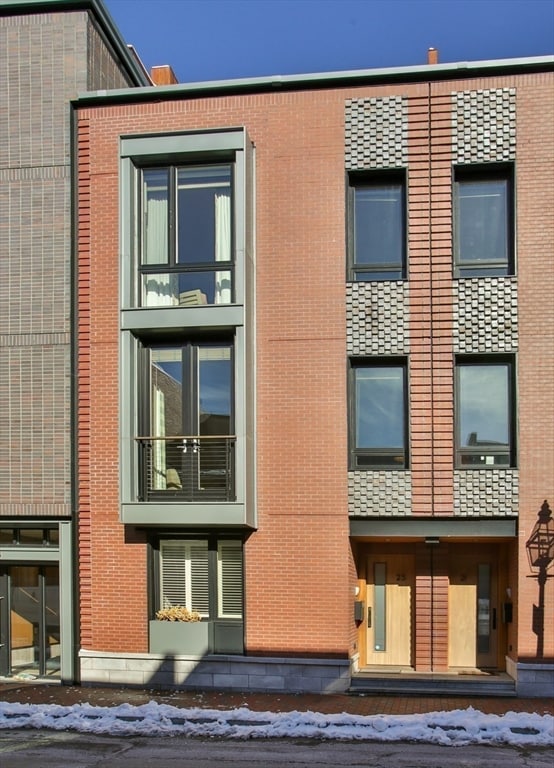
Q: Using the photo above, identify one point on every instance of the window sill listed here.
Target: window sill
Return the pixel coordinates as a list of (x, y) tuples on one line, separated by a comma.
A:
[(165, 318), (184, 514)]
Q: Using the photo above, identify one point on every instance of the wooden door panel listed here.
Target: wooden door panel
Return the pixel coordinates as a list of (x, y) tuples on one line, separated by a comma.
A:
[(393, 608), (462, 630), (469, 573)]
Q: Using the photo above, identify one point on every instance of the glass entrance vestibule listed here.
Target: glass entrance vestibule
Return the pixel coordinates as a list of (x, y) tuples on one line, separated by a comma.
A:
[(36, 594), (31, 594)]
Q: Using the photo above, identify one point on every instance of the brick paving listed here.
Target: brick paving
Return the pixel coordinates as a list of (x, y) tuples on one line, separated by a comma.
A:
[(41, 693)]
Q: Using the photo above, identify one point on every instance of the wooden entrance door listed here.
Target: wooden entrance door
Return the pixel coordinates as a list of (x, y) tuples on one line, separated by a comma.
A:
[(473, 611), (390, 586)]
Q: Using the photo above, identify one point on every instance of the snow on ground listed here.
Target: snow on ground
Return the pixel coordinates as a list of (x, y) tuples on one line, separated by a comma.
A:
[(454, 728)]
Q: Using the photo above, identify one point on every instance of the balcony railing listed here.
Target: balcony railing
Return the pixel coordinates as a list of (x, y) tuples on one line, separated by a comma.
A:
[(187, 468)]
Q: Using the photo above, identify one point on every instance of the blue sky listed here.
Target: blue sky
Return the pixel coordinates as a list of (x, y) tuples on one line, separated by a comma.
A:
[(225, 39)]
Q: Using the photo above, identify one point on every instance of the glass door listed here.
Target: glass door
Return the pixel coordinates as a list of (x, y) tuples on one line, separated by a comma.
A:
[(30, 621), (191, 421)]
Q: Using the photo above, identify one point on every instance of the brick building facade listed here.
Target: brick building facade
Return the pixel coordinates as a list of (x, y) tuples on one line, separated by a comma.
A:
[(314, 378), (50, 52)]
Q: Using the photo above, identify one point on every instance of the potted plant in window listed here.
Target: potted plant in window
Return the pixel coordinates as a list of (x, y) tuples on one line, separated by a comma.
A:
[(178, 630)]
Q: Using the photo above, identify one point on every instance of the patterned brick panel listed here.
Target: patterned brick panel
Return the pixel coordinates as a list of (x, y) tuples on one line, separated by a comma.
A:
[(377, 318), (103, 70), (485, 315), (46, 59), (376, 133), (484, 125), (379, 493), (35, 441), (39, 59), (34, 241), (486, 493)]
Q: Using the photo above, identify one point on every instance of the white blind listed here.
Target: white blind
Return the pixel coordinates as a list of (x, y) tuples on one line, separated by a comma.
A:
[(199, 590), (184, 574), (229, 579)]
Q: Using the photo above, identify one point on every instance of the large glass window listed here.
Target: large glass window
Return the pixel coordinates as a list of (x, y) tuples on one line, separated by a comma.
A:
[(484, 414), (483, 229), (377, 227), (204, 575), (186, 236), (379, 415), (187, 439)]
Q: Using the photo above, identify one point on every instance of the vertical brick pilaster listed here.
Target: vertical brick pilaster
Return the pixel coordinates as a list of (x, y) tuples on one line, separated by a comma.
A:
[(423, 612), (431, 608), (419, 255), (84, 380), (430, 265), (438, 557), (441, 307)]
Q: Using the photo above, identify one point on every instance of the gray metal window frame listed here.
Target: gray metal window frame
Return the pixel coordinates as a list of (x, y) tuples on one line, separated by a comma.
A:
[(487, 360), (139, 324), (354, 451), (484, 172), (213, 541), (375, 178)]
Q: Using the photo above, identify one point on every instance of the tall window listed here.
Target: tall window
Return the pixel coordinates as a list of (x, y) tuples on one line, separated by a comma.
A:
[(203, 575), (186, 236), (483, 222), (484, 414), (378, 416), (187, 436), (377, 227)]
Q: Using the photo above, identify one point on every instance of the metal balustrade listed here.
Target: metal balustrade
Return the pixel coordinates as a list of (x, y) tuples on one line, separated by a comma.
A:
[(187, 468)]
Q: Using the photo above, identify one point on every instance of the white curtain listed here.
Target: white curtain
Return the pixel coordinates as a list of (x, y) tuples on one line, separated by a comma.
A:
[(158, 449), (159, 289), (223, 247)]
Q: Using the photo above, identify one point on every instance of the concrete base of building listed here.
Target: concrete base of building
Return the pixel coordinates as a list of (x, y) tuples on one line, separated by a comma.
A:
[(532, 680), (240, 673)]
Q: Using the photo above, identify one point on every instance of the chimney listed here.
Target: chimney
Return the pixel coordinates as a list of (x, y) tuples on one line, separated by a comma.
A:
[(163, 75), (432, 56)]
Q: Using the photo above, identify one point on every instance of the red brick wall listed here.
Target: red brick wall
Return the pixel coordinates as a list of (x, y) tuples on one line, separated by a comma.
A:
[(298, 598), (535, 255), (298, 593)]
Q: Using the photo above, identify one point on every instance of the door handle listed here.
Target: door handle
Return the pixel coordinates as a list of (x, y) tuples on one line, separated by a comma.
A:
[(369, 617), (494, 618)]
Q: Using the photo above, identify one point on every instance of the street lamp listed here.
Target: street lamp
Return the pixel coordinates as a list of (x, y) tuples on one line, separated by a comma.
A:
[(540, 551)]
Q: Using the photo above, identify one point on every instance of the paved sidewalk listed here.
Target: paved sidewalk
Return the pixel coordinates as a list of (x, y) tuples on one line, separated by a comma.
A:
[(52, 693)]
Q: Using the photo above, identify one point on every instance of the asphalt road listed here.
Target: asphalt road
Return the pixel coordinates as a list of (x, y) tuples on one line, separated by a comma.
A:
[(54, 749)]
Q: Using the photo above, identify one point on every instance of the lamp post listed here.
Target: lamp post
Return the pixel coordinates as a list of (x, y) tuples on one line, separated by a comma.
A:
[(540, 552)]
